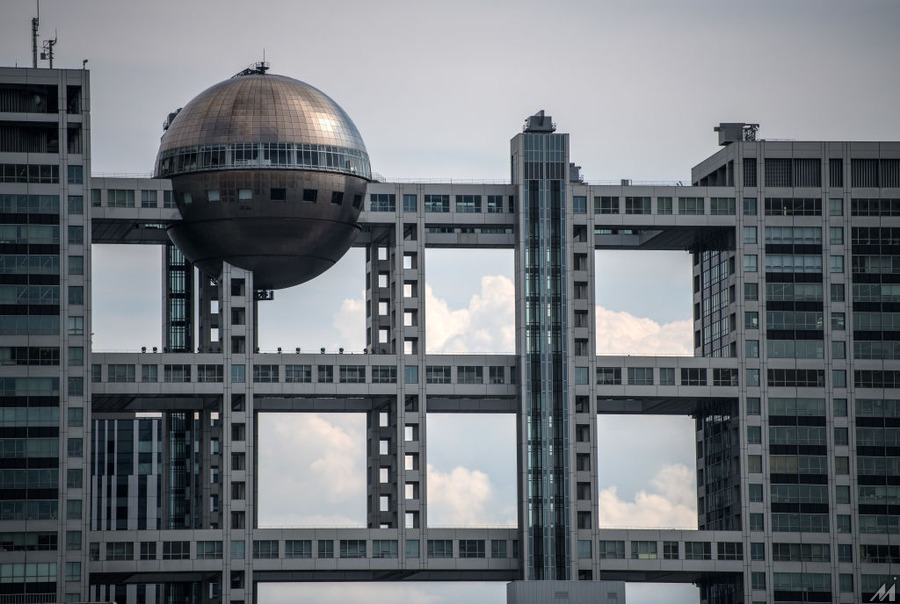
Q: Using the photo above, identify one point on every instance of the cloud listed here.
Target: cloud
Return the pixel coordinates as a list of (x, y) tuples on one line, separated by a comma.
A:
[(347, 321), (312, 470), (671, 503), (619, 332), (464, 497), (486, 325)]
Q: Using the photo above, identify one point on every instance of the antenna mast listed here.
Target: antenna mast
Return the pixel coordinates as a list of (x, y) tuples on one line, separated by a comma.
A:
[(48, 49), (34, 35)]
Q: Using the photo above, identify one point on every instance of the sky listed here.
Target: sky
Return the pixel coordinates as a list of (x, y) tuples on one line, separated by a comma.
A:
[(437, 89)]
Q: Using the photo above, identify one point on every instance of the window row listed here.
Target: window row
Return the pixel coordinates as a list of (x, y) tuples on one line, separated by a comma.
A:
[(298, 549), (463, 204), (671, 550)]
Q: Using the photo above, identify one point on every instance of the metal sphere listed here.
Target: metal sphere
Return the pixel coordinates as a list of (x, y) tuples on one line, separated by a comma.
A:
[(269, 174)]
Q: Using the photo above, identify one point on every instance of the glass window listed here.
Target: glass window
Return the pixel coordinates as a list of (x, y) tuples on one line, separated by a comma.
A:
[(836, 235), (837, 321), (75, 175), (148, 198), (750, 206), (410, 202), (579, 204), (751, 292), (76, 204), (835, 207), (667, 376), (749, 234), (752, 405), (750, 263), (664, 205), (751, 349), (751, 320), (837, 292), (836, 264), (76, 235), (753, 377)]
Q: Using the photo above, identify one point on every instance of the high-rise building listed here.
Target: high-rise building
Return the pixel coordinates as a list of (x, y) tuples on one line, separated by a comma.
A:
[(132, 476)]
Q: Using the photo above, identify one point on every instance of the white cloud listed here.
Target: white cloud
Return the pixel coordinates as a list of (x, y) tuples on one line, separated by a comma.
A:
[(622, 333), (464, 497), (347, 321), (670, 504), (312, 470), (486, 325)]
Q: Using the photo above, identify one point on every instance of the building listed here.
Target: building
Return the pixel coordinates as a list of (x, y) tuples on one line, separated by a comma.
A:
[(132, 475)]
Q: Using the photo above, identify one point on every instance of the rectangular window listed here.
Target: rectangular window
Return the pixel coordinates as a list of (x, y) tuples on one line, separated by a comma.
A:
[(382, 202), (301, 374), (643, 550), (666, 376), (148, 198), (721, 206), (438, 374), (640, 376), (353, 548), (749, 206), (298, 548), (697, 550), (410, 203), (606, 205), (384, 374), (176, 550), (471, 548), (612, 550), (440, 548), (437, 203), (384, 548), (579, 204), (265, 374), (664, 205), (352, 374), (607, 376), (749, 166), (120, 198), (468, 204), (470, 375), (76, 235), (177, 373), (690, 206), (637, 205), (265, 549)]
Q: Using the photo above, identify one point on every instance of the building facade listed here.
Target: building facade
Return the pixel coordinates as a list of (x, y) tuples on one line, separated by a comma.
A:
[(132, 476)]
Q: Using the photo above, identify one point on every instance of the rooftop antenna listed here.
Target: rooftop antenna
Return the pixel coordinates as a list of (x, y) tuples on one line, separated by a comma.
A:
[(47, 55), (34, 35)]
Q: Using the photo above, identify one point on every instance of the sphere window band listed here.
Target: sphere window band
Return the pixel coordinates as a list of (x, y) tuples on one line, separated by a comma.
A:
[(239, 156)]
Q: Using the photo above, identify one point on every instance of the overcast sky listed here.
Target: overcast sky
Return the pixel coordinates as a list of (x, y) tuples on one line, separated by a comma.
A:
[(437, 89)]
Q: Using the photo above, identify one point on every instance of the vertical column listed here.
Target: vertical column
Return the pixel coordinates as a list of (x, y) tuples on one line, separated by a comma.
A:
[(540, 162), (178, 301), (208, 305), (409, 263), (381, 339), (583, 458), (74, 297), (239, 492)]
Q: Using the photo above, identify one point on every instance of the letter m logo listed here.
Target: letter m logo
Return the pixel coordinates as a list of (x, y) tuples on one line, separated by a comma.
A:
[(884, 594)]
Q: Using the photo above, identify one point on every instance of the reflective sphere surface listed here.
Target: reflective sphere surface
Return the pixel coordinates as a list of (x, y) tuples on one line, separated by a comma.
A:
[(269, 174)]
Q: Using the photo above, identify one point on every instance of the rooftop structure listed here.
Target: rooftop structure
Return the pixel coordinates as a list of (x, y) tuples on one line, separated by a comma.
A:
[(269, 175)]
